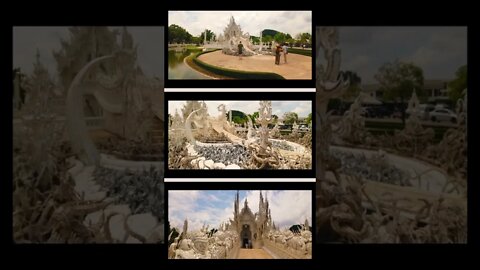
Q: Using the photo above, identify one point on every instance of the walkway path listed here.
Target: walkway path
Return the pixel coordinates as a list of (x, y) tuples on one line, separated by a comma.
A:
[(253, 254), (298, 67)]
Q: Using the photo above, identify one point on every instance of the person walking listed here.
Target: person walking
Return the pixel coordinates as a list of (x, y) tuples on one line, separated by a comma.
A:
[(277, 55), (240, 50), (285, 52)]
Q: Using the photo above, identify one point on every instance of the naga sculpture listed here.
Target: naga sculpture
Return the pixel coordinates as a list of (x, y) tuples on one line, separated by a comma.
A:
[(330, 84)]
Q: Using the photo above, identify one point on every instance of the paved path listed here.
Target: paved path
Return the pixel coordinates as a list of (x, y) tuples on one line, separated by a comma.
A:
[(299, 67), (253, 254)]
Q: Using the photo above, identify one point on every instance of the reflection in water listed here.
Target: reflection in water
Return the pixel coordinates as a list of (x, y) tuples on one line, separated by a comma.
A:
[(177, 69)]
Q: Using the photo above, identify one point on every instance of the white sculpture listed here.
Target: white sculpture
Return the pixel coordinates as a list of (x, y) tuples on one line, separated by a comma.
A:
[(81, 143), (232, 36), (413, 105), (330, 84), (188, 124), (205, 37), (223, 113), (265, 116)]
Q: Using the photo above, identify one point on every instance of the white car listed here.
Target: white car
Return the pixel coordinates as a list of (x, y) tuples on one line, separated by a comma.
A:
[(303, 128), (443, 115)]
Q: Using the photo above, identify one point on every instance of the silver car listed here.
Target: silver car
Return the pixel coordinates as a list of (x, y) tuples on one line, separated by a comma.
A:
[(443, 115)]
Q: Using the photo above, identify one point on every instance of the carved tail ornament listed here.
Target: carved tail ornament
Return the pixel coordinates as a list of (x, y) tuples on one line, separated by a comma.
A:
[(188, 126), (82, 144)]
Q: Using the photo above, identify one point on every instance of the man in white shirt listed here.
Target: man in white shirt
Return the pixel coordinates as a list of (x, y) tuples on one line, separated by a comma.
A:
[(285, 51)]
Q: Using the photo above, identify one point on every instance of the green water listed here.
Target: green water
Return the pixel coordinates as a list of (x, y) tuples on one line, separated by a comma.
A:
[(178, 70)]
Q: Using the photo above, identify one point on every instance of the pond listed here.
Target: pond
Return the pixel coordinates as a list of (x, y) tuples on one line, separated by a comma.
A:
[(178, 70)]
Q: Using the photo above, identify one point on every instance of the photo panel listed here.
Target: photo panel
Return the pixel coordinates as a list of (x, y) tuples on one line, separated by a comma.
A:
[(392, 134), (88, 124), (239, 46), (240, 224), (261, 135)]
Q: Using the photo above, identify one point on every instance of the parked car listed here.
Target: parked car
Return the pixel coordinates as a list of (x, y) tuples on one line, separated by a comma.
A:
[(443, 115), (285, 127), (303, 127), (377, 112), (423, 111)]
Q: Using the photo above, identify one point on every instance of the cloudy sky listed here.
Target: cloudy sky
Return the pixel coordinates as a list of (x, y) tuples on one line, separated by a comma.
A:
[(302, 108), (26, 40), (195, 22), (439, 51), (288, 207)]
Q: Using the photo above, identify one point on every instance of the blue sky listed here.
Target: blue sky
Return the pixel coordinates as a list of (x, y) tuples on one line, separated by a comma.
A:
[(26, 40), (195, 22), (302, 108), (439, 51), (288, 207)]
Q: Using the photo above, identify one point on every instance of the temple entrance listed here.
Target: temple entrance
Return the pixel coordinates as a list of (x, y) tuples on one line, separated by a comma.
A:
[(246, 236)]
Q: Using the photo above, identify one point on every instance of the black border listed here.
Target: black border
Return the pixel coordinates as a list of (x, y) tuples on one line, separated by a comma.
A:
[(329, 13), (254, 96)]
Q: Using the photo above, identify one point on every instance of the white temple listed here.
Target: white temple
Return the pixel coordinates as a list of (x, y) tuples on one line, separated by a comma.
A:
[(231, 37)]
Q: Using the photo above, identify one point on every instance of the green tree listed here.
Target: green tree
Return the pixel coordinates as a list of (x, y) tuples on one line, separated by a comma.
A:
[(239, 119), (177, 34), (304, 38), (354, 88), (308, 120), (255, 39), (196, 40), (456, 87), (254, 116), (290, 41), (210, 35), (397, 81), (290, 118), (267, 39), (274, 118), (280, 37)]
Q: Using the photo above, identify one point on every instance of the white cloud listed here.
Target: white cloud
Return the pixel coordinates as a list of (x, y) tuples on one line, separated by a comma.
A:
[(438, 50), (198, 208), (182, 199), (26, 40), (288, 207), (195, 22)]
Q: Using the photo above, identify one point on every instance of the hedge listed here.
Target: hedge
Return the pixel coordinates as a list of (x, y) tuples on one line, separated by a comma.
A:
[(299, 51), (235, 74)]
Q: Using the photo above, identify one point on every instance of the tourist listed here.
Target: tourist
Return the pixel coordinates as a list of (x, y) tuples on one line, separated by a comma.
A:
[(277, 55), (240, 50), (285, 52)]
